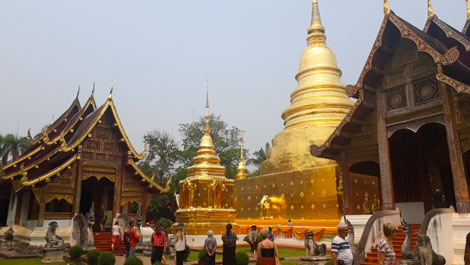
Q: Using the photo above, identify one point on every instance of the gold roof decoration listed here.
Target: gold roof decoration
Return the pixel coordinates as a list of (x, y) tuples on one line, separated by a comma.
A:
[(386, 8), (150, 180), (468, 10), (241, 169), (430, 10), (206, 164)]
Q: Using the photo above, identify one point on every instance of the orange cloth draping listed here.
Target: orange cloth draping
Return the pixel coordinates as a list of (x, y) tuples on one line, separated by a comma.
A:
[(288, 231)]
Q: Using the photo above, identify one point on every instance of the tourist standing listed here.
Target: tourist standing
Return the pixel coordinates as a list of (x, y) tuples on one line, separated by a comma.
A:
[(289, 223), (385, 251), (253, 238), (158, 242), (267, 250), (341, 253), (229, 238), (131, 240), (210, 245), (104, 216), (180, 246), (116, 235), (271, 235)]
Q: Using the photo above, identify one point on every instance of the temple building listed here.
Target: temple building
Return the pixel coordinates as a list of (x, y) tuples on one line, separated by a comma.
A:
[(410, 125), (205, 200), (83, 157), (293, 184)]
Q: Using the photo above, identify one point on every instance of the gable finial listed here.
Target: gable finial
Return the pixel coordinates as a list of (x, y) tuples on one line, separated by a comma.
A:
[(111, 91), (93, 90), (430, 10), (386, 8), (468, 10), (78, 92)]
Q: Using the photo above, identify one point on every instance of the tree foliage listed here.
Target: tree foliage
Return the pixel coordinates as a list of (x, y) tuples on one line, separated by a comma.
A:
[(259, 157), (11, 147)]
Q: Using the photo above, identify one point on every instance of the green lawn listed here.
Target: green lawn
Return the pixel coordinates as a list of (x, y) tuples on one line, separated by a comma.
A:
[(24, 262), (283, 252)]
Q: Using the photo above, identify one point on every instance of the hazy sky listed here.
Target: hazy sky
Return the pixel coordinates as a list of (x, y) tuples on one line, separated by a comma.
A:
[(160, 53)]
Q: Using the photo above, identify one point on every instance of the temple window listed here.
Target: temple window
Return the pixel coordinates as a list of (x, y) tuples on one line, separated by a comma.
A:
[(56, 206)]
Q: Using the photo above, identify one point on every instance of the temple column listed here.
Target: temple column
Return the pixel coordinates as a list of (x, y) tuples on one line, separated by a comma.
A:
[(347, 191), (77, 171), (19, 205), (145, 203), (118, 186), (455, 152), (388, 201), (42, 206)]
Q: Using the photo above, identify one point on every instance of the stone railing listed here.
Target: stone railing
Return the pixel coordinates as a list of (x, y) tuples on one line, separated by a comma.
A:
[(373, 232)]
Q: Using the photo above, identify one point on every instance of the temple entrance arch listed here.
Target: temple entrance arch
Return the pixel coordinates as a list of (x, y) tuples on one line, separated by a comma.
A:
[(421, 170), (101, 193)]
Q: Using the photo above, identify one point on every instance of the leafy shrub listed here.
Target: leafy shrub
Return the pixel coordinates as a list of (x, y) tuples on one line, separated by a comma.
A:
[(202, 255), (246, 239), (133, 261), (106, 259), (159, 263), (329, 262), (76, 252), (259, 238), (166, 222), (93, 256), (242, 258)]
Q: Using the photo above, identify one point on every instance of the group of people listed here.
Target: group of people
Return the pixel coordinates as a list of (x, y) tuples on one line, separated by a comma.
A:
[(341, 253)]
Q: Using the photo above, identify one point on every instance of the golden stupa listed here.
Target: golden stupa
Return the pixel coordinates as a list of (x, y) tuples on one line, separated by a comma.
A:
[(294, 184), (205, 201), (241, 169)]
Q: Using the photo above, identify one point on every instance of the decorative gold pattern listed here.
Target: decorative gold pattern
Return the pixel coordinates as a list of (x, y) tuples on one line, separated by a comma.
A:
[(151, 182), (51, 173)]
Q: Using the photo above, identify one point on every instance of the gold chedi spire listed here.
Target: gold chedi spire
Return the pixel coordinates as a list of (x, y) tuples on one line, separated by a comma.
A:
[(318, 105), (206, 164), (430, 10), (205, 200), (241, 169)]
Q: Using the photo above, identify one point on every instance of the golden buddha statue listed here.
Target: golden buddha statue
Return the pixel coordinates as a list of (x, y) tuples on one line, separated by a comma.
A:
[(206, 194), (319, 103)]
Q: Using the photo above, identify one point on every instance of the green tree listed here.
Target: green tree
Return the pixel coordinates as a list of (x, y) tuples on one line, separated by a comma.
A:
[(259, 156), (162, 158), (226, 141), (14, 146)]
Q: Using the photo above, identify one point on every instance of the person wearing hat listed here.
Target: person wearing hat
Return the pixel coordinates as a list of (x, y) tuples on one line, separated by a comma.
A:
[(341, 253), (252, 237)]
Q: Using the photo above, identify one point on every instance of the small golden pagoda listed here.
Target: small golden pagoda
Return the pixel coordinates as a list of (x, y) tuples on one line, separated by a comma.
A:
[(241, 169), (205, 201)]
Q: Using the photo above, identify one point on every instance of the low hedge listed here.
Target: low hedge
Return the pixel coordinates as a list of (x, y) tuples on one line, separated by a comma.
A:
[(106, 259)]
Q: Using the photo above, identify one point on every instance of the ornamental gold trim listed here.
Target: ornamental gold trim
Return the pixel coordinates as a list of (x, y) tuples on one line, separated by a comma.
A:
[(49, 174), (152, 183)]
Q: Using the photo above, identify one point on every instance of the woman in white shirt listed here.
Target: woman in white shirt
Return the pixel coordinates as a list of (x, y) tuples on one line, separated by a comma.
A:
[(115, 236), (180, 246)]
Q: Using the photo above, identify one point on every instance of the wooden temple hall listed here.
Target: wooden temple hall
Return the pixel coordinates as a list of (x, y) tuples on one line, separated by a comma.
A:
[(410, 125), (83, 157)]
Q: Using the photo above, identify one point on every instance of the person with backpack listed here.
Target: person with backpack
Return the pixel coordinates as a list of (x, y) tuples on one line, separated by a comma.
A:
[(158, 242), (130, 240), (230, 244)]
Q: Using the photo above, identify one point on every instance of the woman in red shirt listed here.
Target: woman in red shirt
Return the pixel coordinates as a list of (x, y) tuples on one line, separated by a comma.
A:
[(158, 245)]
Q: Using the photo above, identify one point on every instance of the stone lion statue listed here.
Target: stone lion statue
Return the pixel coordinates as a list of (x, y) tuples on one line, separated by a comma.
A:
[(311, 247), (425, 254), (53, 240)]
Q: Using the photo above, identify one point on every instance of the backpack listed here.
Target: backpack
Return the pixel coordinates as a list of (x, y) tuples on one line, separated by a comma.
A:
[(127, 239)]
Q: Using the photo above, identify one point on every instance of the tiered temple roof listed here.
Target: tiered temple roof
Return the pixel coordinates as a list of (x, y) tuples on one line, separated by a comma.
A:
[(60, 146), (448, 47)]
